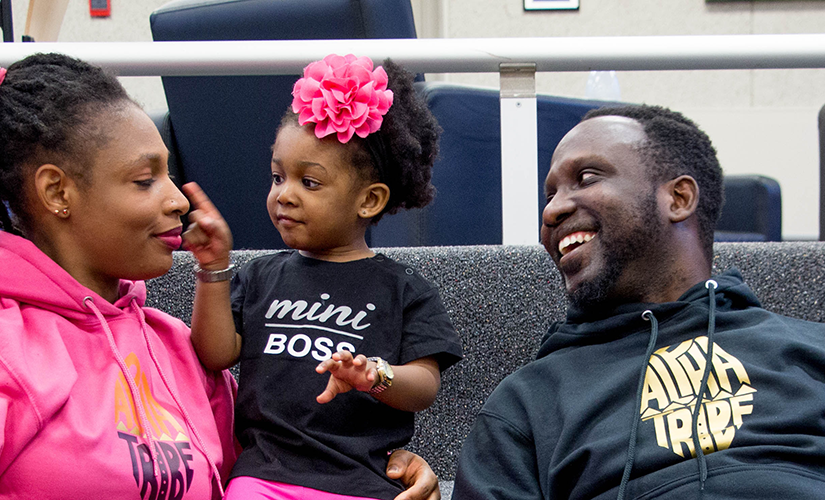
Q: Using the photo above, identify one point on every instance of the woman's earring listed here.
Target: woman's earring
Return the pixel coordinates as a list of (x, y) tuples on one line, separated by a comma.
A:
[(65, 211)]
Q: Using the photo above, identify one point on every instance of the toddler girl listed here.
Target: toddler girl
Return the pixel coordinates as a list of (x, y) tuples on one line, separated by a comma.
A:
[(358, 143)]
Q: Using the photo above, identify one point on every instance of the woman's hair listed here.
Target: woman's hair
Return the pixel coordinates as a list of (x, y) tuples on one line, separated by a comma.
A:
[(49, 106), (401, 153)]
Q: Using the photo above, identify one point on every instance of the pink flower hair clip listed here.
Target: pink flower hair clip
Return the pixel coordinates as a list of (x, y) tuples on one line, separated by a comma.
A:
[(342, 95), (2, 74)]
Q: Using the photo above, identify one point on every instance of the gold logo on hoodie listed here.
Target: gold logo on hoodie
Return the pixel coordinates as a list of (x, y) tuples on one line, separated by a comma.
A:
[(672, 382), (164, 426)]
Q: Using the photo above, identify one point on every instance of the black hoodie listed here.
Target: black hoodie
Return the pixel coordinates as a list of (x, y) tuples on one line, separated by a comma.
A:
[(601, 402)]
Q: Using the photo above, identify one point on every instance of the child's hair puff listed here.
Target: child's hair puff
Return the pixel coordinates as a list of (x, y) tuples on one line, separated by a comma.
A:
[(406, 144)]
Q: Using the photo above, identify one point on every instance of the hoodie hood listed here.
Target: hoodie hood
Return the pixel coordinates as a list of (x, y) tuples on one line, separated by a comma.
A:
[(624, 320), (31, 277)]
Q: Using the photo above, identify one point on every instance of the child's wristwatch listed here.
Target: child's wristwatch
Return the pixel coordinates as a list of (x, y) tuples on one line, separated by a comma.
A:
[(384, 375)]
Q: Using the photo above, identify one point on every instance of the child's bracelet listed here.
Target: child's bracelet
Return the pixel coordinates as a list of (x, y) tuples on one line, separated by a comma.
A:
[(208, 276)]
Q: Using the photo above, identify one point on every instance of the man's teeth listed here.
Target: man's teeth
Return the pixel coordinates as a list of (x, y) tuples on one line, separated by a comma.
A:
[(577, 238)]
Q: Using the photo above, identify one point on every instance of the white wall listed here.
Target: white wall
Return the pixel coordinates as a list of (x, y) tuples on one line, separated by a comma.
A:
[(129, 22), (761, 121)]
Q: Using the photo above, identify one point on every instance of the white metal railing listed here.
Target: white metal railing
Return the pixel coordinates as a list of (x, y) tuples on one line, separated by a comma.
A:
[(449, 55), (457, 55)]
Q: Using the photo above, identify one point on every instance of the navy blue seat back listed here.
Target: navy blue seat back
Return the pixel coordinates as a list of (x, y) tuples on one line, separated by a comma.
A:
[(467, 174), (223, 126), (752, 209)]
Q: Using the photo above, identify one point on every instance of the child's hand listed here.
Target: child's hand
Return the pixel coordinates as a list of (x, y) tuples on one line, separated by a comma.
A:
[(208, 236), (346, 373)]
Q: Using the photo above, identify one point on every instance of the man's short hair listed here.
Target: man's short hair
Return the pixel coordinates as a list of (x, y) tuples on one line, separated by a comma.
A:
[(676, 146)]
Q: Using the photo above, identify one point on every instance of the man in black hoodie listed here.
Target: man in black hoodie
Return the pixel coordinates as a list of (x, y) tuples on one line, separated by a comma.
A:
[(609, 409)]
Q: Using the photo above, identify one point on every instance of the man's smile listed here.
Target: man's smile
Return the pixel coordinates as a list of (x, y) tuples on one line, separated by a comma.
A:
[(574, 240)]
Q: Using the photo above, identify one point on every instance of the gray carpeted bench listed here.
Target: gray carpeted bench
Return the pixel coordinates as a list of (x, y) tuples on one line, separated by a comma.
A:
[(502, 299)]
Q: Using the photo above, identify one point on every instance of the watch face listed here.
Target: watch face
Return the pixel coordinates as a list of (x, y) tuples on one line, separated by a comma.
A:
[(384, 373)]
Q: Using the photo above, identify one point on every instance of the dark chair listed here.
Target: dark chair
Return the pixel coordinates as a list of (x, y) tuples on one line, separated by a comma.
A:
[(6, 21), (752, 209), (223, 126)]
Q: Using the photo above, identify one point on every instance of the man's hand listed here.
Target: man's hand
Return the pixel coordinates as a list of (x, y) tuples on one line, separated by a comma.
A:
[(416, 475)]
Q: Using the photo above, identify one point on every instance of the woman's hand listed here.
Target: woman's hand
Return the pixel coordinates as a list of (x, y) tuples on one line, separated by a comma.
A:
[(416, 475)]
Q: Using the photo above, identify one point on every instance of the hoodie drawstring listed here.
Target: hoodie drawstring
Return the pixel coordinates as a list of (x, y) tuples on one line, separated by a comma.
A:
[(631, 446), (136, 398), (173, 392), (711, 285), (700, 454)]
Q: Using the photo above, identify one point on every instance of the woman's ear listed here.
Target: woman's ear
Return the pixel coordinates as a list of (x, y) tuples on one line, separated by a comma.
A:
[(375, 198), (52, 186), (683, 193)]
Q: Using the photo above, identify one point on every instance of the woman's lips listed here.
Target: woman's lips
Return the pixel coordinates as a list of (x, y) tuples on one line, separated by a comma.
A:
[(171, 238)]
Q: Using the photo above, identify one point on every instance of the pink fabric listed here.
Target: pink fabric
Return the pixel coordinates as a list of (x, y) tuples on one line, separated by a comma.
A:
[(69, 423), (342, 95), (2, 75), (244, 487)]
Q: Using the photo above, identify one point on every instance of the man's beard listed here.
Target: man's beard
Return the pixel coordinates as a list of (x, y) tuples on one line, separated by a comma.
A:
[(623, 242)]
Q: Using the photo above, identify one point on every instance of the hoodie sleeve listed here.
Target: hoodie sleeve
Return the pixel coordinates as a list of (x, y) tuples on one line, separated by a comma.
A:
[(35, 380), (497, 462), (19, 420)]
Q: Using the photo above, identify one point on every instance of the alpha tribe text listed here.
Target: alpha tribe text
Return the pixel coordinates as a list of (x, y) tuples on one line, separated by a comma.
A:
[(174, 460)]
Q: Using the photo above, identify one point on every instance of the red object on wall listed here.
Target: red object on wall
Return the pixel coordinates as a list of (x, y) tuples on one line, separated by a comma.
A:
[(100, 8)]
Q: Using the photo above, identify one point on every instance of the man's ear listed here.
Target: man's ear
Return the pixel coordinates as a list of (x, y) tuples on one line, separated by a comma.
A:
[(52, 186), (683, 197), (375, 198)]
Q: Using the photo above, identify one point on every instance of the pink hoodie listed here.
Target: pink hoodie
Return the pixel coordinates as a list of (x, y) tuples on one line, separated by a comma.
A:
[(71, 367)]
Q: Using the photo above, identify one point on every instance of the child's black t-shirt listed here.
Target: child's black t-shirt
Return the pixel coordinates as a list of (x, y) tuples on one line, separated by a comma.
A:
[(293, 312)]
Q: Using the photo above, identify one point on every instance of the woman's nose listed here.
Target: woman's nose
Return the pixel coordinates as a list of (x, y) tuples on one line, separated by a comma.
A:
[(176, 201)]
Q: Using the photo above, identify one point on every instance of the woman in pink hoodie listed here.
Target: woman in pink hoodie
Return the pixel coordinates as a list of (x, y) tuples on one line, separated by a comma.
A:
[(100, 397)]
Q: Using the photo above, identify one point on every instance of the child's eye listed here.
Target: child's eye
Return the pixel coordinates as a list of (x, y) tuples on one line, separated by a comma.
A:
[(310, 183), (145, 183), (276, 178)]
